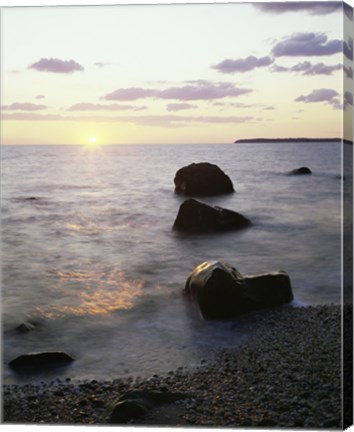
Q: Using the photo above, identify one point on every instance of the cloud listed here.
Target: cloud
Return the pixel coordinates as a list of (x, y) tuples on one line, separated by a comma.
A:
[(202, 90), (28, 116), (25, 106), (348, 99), (348, 10), (307, 44), (40, 96), (307, 68), (243, 65), (84, 106), (130, 94), (348, 49), (169, 120), (322, 95), (348, 72), (314, 8), (102, 64), (179, 121), (194, 90), (56, 66), (180, 106)]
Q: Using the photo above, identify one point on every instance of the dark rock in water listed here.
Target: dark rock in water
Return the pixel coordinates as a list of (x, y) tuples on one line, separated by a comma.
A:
[(197, 217), (202, 179), (301, 170), (222, 292), (135, 404), (37, 360), (25, 327)]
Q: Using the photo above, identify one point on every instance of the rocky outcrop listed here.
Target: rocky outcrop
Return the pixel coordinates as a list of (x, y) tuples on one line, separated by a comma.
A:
[(202, 179), (301, 170), (41, 359), (197, 217), (222, 292), (136, 404)]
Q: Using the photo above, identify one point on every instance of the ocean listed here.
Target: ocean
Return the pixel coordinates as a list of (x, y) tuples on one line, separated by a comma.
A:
[(89, 256)]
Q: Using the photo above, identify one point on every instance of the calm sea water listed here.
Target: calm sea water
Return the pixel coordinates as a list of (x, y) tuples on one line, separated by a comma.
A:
[(94, 262)]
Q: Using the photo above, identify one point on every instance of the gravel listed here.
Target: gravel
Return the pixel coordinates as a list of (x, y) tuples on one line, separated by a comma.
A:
[(286, 375)]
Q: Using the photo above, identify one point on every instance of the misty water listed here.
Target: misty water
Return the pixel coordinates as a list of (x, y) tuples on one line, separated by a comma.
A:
[(89, 255)]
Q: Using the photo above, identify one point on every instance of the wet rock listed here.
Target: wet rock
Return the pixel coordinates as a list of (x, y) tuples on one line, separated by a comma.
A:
[(301, 170), (197, 217), (127, 410), (202, 179), (37, 360), (222, 292), (136, 404), (25, 328)]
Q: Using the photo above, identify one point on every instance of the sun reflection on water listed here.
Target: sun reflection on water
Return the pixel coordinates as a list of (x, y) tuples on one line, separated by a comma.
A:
[(91, 293)]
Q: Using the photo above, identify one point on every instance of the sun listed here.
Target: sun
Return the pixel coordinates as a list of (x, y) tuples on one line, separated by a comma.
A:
[(92, 140)]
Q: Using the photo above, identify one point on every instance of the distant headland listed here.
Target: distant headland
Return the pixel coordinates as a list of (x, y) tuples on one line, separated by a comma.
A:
[(290, 140)]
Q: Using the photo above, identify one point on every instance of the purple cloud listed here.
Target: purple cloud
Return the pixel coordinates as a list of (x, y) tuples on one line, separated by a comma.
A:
[(83, 106), (180, 106), (348, 72), (56, 66), (130, 94), (30, 116), (322, 95), (307, 68), (148, 120), (314, 8), (348, 49), (195, 90), (307, 44), (348, 99), (180, 121), (243, 65), (25, 106), (102, 64), (202, 90)]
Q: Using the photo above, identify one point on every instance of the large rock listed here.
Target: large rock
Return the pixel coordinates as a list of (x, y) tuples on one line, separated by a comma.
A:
[(136, 404), (222, 292), (197, 217), (41, 359), (202, 179), (301, 171)]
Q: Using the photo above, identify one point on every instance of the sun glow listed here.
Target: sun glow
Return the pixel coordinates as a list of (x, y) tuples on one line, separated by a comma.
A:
[(92, 140)]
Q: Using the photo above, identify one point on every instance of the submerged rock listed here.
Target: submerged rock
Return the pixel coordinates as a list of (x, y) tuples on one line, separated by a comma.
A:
[(301, 170), (37, 360), (202, 179), (197, 217), (222, 292)]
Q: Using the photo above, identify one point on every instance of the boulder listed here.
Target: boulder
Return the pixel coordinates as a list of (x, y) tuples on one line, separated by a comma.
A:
[(202, 179), (137, 403), (197, 217), (222, 292), (301, 170), (41, 359)]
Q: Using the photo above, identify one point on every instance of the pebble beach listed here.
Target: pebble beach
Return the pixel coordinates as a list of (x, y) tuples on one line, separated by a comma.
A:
[(286, 375)]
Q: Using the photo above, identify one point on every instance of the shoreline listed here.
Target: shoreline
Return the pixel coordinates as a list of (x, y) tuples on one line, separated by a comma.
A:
[(287, 375)]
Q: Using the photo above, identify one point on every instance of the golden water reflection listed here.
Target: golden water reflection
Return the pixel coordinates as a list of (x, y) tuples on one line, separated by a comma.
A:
[(90, 292)]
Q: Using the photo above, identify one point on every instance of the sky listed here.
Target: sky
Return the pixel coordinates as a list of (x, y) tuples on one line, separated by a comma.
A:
[(176, 73)]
